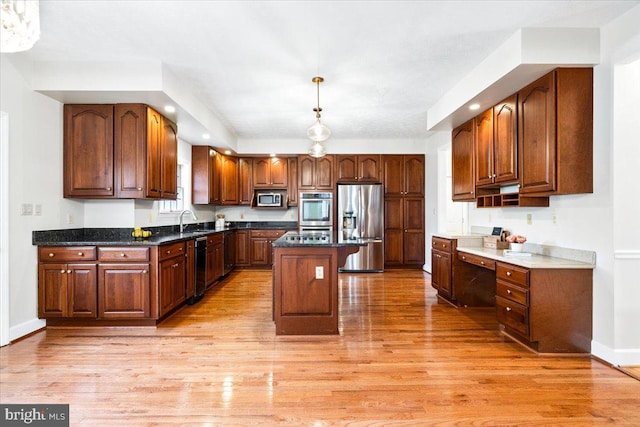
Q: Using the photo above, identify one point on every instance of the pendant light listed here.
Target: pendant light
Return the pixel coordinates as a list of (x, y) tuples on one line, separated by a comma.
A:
[(318, 132), (19, 25)]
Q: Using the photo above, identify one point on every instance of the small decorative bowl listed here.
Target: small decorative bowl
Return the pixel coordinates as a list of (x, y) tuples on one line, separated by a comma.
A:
[(517, 247)]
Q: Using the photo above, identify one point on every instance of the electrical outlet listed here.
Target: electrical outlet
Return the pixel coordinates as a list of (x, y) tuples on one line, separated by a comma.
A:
[(69, 219), (241, 216), (554, 218), (150, 218), (529, 219), (319, 272), (490, 217)]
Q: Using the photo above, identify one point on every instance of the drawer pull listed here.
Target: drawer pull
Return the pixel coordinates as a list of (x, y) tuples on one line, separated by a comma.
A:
[(144, 271), (80, 254), (69, 271), (108, 188), (122, 254), (139, 188), (443, 245), (434, 243), (168, 252), (508, 273), (508, 308), (481, 262), (509, 291), (51, 254), (464, 257), (62, 271)]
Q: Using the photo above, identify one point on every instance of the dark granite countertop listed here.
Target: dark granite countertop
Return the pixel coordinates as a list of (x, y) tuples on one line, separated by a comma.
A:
[(160, 235), (286, 241)]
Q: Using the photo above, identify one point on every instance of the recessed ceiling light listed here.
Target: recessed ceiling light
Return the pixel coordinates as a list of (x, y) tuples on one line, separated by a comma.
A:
[(169, 108), (206, 136), (474, 107)]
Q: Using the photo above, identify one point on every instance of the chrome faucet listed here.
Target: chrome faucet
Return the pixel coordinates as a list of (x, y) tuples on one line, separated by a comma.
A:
[(195, 218)]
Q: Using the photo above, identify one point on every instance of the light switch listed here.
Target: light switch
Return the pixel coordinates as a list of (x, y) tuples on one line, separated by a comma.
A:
[(37, 209), (319, 272), (26, 209)]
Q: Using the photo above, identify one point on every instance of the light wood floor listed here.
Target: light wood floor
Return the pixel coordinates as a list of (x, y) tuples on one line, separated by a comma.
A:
[(402, 358)]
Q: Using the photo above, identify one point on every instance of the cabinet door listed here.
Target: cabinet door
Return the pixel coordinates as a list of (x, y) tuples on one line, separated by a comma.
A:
[(52, 290), (484, 148), (123, 291), (260, 249), (393, 175), (505, 141), (393, 247), (261, 173), (443, 272), (245, 185), (82, 290), (536, 135), (218, 262), (369, 168), (172, 280), (279, 175), (413, 231), (88, 151), (169, 166), (243, 248), (190, 268), (463, 175), (130, 149), (346, 168), (292, 189), (324, 173), (154, 153), (435, 278), (212, 269), (202, 179), (307, 173), (414, 175), (229, 184)]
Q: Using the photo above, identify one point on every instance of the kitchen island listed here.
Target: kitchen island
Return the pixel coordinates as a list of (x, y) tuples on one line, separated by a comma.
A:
[(305, 282)]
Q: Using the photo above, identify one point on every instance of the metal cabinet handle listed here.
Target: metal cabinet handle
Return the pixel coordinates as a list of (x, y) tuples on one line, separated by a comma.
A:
[(144, 271), (508, 273), (62, 271), (122, 254), (508, 309), (69, 271), (80, 254), (108, 188), (481, 262), (139, 188), (464, 257), (51, 254), (444, 245), (509, 291), (168, 252)]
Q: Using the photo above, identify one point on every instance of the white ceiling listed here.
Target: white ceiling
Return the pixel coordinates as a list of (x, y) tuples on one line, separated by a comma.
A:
[(385, 63)]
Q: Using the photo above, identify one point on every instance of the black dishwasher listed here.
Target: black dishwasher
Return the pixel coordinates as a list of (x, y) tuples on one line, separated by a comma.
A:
[(201, 270)]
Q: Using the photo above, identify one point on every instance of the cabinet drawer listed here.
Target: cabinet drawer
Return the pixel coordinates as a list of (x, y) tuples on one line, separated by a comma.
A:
[(68, 253), (213, 239), (477, 260), (513, 315), (123, 254), (511, 292), (169, 251), (513, 274), (268, 234), (441, 244)]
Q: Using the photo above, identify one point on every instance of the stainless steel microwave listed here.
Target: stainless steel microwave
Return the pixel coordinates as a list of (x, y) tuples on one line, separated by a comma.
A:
[(269, 199)]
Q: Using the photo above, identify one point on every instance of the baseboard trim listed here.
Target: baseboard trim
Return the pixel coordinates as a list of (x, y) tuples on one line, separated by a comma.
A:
[(26, 328), (616, 357)]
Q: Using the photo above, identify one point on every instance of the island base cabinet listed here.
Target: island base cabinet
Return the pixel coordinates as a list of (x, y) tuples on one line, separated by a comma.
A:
[(305, 291)]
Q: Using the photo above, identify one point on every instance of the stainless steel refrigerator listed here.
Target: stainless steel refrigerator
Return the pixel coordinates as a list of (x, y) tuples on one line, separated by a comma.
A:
[(361, 216)]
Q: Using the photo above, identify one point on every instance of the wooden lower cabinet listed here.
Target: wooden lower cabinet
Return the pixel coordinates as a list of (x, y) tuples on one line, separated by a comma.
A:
[(123, 291), (67, 290), (243, 248), (172, 274), (215, 258), (404, 232), (260, 246), (441, 272)]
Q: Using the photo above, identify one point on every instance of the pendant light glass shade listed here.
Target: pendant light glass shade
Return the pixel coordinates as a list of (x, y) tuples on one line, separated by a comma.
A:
[(19, 25), (318, 132), (317, 150)]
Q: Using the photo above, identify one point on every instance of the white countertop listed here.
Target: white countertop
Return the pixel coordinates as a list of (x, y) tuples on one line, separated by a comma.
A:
[(533, 261)]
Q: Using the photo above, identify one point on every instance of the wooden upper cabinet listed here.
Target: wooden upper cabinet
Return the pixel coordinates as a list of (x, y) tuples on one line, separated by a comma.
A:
[(484, 148), (505, 141), (245, 184), (358, 168), (88, 151), (315, 173), (203, 176), (403, 175), (292, 190), (122, 151), (154, 153), (130, 145), (169, 156), (229, 180), (463, 166), (555, 133), (270, 172)]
